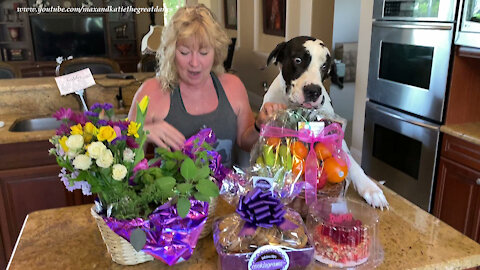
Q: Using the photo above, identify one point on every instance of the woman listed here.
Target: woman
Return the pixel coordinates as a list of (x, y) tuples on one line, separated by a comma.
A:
[(191, 90)]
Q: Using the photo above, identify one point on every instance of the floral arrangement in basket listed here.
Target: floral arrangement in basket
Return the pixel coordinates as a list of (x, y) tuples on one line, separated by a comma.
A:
[(156, 199)]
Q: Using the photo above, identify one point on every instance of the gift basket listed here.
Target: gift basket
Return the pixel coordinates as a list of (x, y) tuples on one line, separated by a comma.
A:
[(345, 233), (145, 209), (302, 148), (262, 225)]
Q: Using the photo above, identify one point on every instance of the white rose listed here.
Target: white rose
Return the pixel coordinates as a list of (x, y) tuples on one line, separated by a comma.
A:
[(82, 162), (96, 149), (106, 159), (128, 155), (74, 142), (71, 154), (118, 172)]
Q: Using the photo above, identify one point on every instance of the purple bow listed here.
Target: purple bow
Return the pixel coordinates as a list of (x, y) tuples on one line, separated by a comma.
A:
[(262, 209)]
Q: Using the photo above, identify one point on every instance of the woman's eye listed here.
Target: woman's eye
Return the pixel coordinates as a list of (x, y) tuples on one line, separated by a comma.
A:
[(298, 60), (184, 52), (204, 52)]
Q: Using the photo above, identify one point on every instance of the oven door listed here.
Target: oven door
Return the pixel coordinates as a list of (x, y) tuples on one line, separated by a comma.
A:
[(401, 150), (415, 10), (409, 65)]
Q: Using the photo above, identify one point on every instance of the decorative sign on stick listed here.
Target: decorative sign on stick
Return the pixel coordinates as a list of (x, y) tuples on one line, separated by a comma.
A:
[(75, 82)]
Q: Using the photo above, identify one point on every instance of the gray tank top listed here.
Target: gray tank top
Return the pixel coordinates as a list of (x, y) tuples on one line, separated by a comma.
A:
[(223, 120)]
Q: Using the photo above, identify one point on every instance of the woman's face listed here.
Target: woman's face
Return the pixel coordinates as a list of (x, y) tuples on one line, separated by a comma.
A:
[(194, 62)]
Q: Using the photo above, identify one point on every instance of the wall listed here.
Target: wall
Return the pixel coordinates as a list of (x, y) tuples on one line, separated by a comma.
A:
[(364, 35), (345, 29)]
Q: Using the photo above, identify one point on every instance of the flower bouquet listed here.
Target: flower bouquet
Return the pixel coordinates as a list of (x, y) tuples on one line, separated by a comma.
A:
[(158, 207)]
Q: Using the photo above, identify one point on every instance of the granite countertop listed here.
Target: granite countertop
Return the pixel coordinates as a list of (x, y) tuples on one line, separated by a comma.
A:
[(68, 238), (19, 99), (468, 131)]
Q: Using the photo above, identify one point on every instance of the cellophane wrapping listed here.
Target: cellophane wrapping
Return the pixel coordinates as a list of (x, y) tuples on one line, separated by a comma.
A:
[(301, 149), (344, 233)]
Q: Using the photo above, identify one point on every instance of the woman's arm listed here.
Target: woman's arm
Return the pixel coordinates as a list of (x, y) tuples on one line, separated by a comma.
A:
[(247, 135)]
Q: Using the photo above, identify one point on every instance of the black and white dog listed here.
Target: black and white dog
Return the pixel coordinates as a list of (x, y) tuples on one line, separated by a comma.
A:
[(305, 63)]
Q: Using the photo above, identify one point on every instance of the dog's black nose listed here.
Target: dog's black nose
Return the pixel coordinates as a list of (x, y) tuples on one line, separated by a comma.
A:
[(312, 92)]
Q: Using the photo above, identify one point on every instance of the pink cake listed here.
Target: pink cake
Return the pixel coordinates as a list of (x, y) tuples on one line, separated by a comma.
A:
[(342, 241)]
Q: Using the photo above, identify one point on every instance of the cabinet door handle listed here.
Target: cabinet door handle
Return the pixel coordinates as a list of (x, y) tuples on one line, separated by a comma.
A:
[(478, 181)]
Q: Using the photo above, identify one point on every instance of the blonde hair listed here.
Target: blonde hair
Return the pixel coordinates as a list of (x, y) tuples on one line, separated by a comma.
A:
[(191, 21)]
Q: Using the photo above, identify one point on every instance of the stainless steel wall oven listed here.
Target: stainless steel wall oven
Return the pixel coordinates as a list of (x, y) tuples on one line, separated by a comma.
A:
[(407, 84)]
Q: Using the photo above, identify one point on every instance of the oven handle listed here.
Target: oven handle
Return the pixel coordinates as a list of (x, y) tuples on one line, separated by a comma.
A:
[(398, 117), (428, 26)]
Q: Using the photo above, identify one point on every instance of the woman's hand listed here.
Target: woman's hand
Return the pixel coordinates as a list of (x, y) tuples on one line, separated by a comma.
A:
[(267, 111), (165, 135)]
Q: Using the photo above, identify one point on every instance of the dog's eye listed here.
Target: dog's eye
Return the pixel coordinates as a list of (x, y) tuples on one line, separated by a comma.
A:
[(298, 60), (324, 66)]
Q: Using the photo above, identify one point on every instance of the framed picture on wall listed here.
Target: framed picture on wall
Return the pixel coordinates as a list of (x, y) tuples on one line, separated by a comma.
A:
[(274, 13), (230, 11)]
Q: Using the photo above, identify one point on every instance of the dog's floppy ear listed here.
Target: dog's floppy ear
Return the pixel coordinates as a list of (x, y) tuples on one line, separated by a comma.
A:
[(277, 54), (334, 75)]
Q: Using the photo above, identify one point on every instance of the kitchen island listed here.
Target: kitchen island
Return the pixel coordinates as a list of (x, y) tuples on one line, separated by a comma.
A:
[(68, 238)]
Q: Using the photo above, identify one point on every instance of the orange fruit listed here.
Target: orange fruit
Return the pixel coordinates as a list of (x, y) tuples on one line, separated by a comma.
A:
[(335, 171), (298, 168), (322, 151), (299, 150), (274, 141)]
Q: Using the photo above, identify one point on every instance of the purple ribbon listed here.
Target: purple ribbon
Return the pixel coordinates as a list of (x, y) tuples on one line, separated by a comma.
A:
[(331, 135), (262, 209)]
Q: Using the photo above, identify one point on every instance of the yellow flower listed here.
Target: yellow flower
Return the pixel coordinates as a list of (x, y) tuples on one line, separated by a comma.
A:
[(90, 128), (143, 104), (77, 129), (63, 144), (89, 131), (106, 133), (133, 129)]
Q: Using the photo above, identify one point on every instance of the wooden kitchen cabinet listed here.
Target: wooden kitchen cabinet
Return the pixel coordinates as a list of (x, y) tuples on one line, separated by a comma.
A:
[(457, 200), (28, 182)]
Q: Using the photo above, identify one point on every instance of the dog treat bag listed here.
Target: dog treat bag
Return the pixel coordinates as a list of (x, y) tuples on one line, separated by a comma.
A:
[(300, 146)]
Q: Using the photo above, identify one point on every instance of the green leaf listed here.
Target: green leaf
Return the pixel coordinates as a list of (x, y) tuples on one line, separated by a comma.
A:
[(201, 197), (184, 188), (207, 187), (183, 206), (202, 173), (166, 183), (170, 164), (188, 169)]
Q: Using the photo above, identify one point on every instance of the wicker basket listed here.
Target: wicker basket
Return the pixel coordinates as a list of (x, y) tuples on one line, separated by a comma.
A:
[(121, 250), (207, 229)]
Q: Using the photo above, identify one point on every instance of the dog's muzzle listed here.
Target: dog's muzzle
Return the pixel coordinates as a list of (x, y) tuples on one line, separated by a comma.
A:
[(312, 92)]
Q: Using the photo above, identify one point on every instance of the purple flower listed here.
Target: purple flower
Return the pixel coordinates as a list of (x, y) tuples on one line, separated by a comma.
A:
[(119, 138), (142, 165), (63, 113), (131, 143), (107, 106), (102, 122), (91, 114), (79, 118), (63, 130), (95, 106), (83, 185)]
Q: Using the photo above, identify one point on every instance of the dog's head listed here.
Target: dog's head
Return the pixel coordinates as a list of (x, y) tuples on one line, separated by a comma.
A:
[(305, 64)]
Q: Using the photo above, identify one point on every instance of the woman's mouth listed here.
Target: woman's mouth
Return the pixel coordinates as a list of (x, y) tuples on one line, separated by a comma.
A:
[(194, 73)]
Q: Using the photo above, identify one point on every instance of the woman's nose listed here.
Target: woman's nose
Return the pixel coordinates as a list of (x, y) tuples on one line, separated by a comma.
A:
[(194, 60)]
